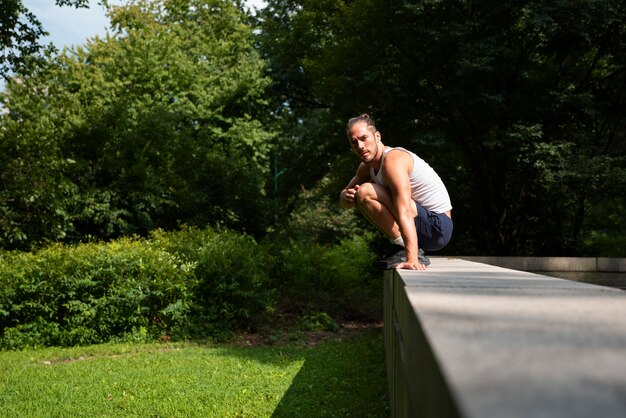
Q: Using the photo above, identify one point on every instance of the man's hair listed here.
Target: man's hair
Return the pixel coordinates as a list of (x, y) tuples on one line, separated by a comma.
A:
[(361, 118)]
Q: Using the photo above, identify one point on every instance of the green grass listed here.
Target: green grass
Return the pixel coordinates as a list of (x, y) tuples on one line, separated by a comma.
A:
[(333, 379)]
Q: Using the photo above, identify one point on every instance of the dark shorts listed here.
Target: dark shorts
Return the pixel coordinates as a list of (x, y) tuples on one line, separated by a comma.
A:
[(434, 230)]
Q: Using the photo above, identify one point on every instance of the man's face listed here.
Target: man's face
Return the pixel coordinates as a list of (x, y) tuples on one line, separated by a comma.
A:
[(364, 141)]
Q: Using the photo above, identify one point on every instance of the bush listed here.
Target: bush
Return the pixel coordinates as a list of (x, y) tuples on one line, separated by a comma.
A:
[(319, 218), (232, 271), (336, 279), (92, 293), (187, 283)]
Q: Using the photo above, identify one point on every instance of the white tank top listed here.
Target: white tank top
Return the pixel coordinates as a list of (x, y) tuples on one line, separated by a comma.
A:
[(427, 189)]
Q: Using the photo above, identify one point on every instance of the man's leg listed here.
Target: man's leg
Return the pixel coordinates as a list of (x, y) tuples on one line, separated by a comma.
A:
[(374, 201)]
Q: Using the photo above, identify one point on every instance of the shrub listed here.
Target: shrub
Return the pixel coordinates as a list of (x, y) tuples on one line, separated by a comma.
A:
[(188, 283), (92, 293), (336, 279), (319, 218), (232, 271)]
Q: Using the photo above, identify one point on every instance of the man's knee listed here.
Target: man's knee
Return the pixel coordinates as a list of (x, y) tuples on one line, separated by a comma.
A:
[(366, 192)]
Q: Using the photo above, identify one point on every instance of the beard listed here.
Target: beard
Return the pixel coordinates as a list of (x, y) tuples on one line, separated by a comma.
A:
[(369, 156)]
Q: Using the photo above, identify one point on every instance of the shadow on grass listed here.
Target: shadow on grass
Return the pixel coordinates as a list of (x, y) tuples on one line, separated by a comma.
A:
[(341, 376), (344, 379)]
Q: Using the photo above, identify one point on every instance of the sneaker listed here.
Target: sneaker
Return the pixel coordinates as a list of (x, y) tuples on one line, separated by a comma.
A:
[(398, 257), (387, 263), (421, 257)]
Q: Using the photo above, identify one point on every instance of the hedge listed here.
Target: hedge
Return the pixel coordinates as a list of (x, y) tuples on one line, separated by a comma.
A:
[(192, 283)]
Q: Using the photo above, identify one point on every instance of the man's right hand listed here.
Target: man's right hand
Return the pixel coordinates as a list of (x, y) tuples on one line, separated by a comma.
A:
[(411, 266), (347, 197)]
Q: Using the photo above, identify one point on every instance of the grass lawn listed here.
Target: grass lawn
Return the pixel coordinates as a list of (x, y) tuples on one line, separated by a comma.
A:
[(331, 379)]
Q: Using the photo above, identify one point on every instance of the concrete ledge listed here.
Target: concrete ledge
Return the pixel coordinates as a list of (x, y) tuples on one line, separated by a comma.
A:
[(612, 265), (474, 340), (567, 264)]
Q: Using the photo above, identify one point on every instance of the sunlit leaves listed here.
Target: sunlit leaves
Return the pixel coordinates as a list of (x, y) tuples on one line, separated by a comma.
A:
[(161, 119)]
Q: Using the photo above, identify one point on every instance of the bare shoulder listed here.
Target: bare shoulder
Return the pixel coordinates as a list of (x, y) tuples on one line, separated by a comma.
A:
[(398, 160), (399, 154)]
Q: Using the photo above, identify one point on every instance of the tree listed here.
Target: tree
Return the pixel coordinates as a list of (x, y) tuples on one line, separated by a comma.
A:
[(519, 105), (156, 124), (20, 31)]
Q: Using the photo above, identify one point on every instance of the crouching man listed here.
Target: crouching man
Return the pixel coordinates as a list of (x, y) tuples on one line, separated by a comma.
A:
[(400, 194)]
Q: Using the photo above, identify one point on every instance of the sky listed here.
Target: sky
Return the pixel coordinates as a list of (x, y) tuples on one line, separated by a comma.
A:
[(68, 26)]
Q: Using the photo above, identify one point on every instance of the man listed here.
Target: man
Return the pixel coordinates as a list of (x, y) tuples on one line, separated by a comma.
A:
[(400, 194)]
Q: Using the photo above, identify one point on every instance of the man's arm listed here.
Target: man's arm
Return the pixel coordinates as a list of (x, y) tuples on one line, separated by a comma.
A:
[(346, 197), (396, 170)]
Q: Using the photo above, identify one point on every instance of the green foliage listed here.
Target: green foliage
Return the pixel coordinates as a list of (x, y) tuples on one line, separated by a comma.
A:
[(173, 116), (320, 321), (158, 123), (35, 197), (518, 105), (93, 293), (20, 31), (335, 279), (233, 275), (324, 256), (598, 239), (191, 282), (309, 144), (318, 218), (188, 283)]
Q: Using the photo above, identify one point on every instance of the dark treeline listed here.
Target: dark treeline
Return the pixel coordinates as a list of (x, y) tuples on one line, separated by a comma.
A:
[(519, 105), (196, 112)]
